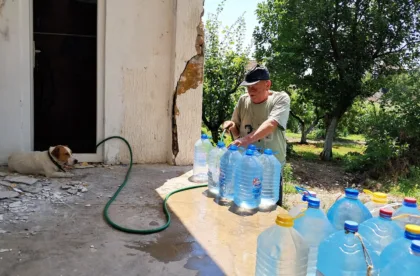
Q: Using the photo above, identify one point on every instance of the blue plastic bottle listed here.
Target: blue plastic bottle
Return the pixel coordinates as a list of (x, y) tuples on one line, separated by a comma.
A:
[(380, 231), (248, 179), (348, 208), (408, 263), (214, 167), (281, 250), (409, 207), (201, 150), (342, 253), (228, 161), (303, 205), (399, 246), (271, 179), (314, 227)]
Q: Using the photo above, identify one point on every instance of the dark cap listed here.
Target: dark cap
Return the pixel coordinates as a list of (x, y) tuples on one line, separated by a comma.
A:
[(258, 73)]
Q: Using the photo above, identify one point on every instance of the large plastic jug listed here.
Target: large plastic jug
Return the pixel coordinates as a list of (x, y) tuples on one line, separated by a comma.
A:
[(380, 231), (303, 205), (378, 200), (399, 246), (348, 207), (214, 167), (346, 253), (201, 150), (228, 161), (314, 227), (271, 179), (409, 207), (248, 179), (408, 263), (281, 250)]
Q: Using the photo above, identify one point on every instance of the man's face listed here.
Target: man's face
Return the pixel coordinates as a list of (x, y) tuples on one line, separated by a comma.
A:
[(259, 91)]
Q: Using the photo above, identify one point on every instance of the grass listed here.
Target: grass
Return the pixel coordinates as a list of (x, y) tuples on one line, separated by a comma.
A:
[(312, 151)]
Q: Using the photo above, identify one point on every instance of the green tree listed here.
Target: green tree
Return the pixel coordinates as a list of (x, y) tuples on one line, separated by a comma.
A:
[(336, 50), (224, 69)]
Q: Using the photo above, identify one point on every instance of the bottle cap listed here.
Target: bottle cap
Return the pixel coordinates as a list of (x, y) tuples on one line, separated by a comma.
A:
[(351, 226), (413, 229), (249, 152), (313, 202), (220, 144), (268, 152), (415, 246), (233, 147), (378, 197), (284, 220), (204, 136), (351, 192), (385, 213), (252, 147), (411, 200)]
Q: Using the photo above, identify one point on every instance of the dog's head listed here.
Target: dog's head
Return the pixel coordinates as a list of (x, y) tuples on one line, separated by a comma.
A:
[(64, 155)]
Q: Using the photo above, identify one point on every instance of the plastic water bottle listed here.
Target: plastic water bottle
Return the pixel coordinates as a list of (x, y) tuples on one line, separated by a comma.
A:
[(399, 246), (242, 150), (303, 205), (201, 150), (348, 208), (408, 263), (343, 253), (378, 201), (271, 179), (281, 250), (409, 207), (380, 231), (314, 227), (228, 161), (214, 167), (248, 179)]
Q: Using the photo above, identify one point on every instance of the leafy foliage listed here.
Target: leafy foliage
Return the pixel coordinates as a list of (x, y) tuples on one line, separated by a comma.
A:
[(336, 51), (224, 69)]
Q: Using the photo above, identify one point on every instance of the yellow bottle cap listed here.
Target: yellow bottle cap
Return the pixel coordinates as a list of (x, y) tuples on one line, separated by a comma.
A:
[(380, 197), (284, 220), (415, 229)]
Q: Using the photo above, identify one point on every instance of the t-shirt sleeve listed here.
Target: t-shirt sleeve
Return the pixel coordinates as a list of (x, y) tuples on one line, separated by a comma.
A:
[(280, 111), (236, 118)]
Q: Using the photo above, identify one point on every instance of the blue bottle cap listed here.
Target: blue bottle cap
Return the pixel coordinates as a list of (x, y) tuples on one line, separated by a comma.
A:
[(268, 152), (252, 147), (249, 152), (313, 202), (220, 144), (415, 246), (204, 136), (352, 192), (233, 147), (351, 226)]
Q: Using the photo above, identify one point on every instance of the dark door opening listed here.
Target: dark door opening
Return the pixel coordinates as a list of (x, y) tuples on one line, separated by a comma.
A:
[(65, 35)]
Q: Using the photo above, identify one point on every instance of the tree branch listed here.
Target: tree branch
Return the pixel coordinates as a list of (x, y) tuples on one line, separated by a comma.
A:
[(297, 117), (397, 50)]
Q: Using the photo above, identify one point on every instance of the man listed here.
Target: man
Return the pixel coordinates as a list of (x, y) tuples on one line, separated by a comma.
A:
[(260, 117)]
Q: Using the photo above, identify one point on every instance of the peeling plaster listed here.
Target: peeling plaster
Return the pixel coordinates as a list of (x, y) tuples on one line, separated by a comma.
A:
[(5, 33), (191, 77), (2, 4)]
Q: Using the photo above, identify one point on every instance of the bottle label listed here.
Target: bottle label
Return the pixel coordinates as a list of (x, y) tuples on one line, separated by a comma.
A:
[(256, 190)]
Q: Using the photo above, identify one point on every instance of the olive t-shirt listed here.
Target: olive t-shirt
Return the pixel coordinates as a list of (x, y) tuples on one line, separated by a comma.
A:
[(249, 116)]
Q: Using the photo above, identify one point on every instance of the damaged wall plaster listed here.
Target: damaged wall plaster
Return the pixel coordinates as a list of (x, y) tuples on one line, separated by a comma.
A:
[(191, 78)]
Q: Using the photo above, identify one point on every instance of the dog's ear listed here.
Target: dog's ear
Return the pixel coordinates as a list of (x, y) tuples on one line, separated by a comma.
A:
[(56, 152)]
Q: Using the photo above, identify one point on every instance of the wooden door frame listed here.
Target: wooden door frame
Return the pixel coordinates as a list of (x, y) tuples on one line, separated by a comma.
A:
[(100, 80)]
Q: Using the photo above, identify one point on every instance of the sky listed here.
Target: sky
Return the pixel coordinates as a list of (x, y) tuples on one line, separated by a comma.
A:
[(232, 10)]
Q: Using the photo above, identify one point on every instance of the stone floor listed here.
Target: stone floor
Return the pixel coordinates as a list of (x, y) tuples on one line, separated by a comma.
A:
[(56, 226)]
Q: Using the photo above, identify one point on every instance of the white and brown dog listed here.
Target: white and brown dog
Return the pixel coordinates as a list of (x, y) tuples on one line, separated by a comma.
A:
[(48, 163)]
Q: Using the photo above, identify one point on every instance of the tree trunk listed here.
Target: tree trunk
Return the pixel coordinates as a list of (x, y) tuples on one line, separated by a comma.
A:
[(215, 135), (304, 134), (326, 154)]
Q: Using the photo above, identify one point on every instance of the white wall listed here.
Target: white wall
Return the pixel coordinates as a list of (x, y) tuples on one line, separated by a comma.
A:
[(15, 78)]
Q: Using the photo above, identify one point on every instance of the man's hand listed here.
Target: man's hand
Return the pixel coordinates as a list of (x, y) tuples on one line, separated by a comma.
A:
[(242, 142), (229, 125)]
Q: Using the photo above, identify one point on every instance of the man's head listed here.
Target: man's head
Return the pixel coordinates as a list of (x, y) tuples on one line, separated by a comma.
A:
[(258, 83)]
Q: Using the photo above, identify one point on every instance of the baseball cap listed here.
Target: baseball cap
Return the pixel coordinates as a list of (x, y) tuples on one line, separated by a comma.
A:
[(256, 74)]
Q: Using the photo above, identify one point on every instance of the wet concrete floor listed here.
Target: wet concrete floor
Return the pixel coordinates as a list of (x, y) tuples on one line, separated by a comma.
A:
[(72, 238)]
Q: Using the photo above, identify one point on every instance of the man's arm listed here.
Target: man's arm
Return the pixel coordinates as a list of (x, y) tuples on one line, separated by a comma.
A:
[(265, 129)]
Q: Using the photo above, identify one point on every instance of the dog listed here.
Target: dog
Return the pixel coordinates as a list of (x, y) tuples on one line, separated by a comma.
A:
[(48, 163)]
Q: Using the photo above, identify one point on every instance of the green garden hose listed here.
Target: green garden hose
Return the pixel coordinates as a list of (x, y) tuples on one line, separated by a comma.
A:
[(165, 208)]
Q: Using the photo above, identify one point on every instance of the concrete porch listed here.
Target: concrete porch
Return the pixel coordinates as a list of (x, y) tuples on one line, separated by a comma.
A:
[(56, 227)]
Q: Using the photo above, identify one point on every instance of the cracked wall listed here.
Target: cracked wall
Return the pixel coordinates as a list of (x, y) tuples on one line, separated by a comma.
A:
[(187, 97)]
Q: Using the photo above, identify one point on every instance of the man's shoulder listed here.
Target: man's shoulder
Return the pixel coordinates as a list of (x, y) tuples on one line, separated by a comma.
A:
[(279, 96)]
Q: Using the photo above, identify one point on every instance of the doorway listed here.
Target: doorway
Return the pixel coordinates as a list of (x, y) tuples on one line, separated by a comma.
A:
[(65, 74)]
